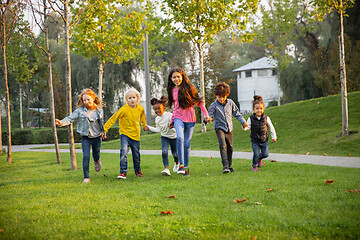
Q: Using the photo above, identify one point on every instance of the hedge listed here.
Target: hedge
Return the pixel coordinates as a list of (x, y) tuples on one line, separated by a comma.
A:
[(45, 135)]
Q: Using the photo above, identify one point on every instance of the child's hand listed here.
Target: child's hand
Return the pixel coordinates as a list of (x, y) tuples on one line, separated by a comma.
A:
[(274, 140), (207, 119), (245, 125), (171, 125), (103, 136), (58, 122), (146, 128)]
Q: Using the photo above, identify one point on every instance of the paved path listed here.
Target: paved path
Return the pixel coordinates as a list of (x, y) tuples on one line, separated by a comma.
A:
[(352, 162)]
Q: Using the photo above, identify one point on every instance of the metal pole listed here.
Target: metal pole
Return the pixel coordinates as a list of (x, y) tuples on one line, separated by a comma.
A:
[(147, 78)]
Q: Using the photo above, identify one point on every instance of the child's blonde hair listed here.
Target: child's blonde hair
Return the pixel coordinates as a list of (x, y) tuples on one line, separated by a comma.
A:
[(89, 92), (132, 90)]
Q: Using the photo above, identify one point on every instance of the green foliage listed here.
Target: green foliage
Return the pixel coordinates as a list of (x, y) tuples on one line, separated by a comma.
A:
[(44, 200), (108, 31)]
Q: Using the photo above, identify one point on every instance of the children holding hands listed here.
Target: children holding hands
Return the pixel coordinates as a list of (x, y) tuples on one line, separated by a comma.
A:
[(89, 115), (130, 115), (168, 135), (259, 124), (222, 110)]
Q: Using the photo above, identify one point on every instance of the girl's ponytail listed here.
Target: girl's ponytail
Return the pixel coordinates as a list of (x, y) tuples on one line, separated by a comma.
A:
[(257, 100)]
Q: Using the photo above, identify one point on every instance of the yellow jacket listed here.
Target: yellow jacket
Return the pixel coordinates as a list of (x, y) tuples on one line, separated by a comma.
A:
[(129, 121)]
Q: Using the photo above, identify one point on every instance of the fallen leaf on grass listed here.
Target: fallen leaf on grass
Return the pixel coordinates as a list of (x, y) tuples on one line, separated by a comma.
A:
[(171, 196), (253, 238), (308, 153), (240, 200), (212, 163), (257, 203), (273, 161), (211, 157), (1, 230), (353, 191), (350, 154), (269, 190), (201, 161), (264, 163), (325, 154), (167, 212), (328, 181), (241, 162)]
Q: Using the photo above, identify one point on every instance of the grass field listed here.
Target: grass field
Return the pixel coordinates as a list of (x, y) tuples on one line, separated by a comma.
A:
[(43, 200)]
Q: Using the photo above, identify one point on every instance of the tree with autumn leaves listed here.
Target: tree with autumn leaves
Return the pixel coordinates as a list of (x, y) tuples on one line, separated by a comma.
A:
[(201, 20)]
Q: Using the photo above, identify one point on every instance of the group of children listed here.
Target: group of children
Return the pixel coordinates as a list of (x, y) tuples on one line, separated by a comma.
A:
[(176, 128)]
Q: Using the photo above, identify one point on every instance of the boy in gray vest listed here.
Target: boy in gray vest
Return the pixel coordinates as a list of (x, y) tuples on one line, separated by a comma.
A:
[(222, 110), (259, 124)]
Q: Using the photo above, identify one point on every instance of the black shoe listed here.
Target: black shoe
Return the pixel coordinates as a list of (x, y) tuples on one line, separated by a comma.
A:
[(187, 173), (226, 170), (231, 169)]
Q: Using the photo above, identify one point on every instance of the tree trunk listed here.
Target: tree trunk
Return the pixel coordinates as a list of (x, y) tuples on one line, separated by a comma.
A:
[(0, 130), (279, 87), (101, 73), (68, 86), (202, 84), (344, 106), (3, 46), (51, 91), (21, 106)]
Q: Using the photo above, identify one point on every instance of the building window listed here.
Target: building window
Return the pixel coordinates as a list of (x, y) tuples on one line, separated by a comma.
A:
[(274, 72), (262, 73), (248, 74)]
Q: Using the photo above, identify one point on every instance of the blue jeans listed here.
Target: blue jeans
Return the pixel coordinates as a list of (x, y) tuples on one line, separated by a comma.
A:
[(127, 142), (86, 143), (184, 131), (165, 143), (256, 146)]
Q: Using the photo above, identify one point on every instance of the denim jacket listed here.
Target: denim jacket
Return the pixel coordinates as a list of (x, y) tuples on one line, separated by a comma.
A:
[(82, 120)]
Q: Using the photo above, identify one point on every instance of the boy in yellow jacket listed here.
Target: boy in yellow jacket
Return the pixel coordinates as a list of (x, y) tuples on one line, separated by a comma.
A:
[(130, 115)]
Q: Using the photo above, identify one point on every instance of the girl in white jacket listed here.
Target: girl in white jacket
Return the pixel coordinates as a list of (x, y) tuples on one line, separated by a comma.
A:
[(168, 136)]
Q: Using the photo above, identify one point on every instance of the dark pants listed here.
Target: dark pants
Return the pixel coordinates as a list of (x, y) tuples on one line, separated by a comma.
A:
[(165, 143), (225, 140), (127, 142), (256, 146), (86, 144)]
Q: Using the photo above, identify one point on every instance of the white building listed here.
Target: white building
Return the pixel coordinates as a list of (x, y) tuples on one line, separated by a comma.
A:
[(258, 77)]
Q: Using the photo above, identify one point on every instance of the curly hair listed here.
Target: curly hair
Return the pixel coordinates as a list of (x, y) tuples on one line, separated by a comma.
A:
[(222, 89), (89, 92), (161, 101), (188, 95), (257, 100)]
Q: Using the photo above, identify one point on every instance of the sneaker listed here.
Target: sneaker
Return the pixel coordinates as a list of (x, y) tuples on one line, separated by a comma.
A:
[(166, 172), (187, 173), (139, 173), (259, 163), (181, 170), (231, 169), (122, 175), (97, 165), (86, 180), (254, 169), (226, 170), (176, 167)]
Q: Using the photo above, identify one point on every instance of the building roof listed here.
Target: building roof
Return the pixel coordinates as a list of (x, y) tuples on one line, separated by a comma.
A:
[(262, 63)]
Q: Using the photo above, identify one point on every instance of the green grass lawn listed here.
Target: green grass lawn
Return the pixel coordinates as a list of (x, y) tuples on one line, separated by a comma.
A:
[(43, 200)]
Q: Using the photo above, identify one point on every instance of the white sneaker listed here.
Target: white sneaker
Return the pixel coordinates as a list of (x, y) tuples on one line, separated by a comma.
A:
[(166, 172), (176, 167)]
